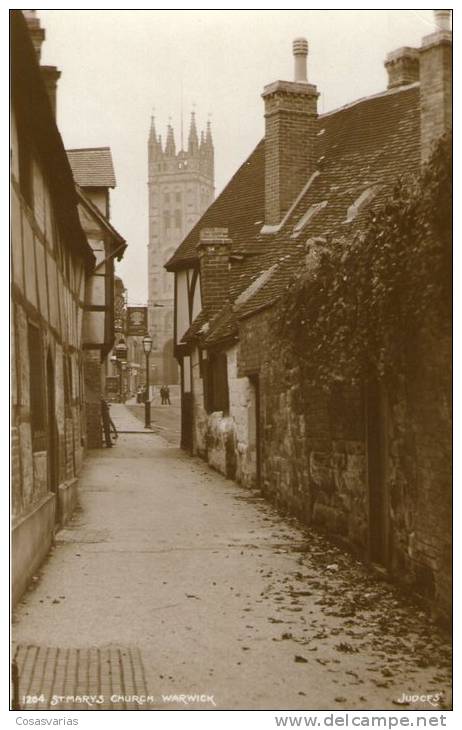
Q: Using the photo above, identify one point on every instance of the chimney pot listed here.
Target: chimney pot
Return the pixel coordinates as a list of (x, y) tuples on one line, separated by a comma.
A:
[(300, 51), (443, 19)]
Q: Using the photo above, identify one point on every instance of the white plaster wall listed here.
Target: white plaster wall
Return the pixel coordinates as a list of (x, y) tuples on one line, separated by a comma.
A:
[(242, 411), (197, 303), (182, 305), (200, 414), (216, 434)]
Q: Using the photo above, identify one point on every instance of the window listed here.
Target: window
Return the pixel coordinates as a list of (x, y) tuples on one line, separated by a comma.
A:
[(361, 202), (310, 213), (25, 171), (166, 219), (166, 198), (256, 285), (67, 373), (37, 388), (178, 219), (216, 393), (178, 197)]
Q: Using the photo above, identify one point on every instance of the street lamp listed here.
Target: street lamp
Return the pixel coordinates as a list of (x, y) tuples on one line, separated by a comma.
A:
[(147, 347)]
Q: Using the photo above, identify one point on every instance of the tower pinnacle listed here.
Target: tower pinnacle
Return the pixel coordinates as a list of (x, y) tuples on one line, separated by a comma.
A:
[(170, 148), (154, 143), (208, 135), (193, 141)]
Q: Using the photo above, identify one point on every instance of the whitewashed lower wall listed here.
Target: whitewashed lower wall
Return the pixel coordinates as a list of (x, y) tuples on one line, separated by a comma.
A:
[(227, 442)]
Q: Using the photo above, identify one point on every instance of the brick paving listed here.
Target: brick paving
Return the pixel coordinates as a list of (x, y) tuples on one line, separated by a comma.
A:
[(105, 678)]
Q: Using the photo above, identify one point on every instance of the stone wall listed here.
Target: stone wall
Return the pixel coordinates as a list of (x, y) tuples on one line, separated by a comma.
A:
[(313, 453), (420, 475), (314, 458)]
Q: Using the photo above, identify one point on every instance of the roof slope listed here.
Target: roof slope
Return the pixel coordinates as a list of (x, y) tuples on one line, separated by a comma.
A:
[(240, 208), (92, 167), (364, 146)]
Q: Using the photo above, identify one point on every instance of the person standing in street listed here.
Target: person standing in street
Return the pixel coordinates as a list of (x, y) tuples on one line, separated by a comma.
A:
[(167, 395)]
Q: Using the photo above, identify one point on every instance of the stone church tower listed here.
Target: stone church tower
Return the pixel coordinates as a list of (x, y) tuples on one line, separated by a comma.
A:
[(181, 187)]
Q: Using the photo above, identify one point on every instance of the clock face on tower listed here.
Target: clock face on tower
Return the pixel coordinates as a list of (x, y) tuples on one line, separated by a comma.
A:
[(181, 186)]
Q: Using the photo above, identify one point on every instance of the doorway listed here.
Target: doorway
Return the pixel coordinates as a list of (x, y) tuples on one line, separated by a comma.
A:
[(378, 497), (254, 427), (186, 405)]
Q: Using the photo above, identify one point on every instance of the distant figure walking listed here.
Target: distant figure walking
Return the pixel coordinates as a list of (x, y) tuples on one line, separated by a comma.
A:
[(165, 395)]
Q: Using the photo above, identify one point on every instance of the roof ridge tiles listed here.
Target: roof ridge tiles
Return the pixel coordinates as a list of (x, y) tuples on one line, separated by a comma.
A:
[(86, 149), (387, 92)]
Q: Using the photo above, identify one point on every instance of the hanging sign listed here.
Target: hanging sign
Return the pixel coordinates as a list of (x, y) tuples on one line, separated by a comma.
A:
[(137, 320)]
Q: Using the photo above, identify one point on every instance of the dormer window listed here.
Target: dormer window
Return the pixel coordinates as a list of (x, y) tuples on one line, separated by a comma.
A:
[(360, 203), (256, 285), (307, 217)]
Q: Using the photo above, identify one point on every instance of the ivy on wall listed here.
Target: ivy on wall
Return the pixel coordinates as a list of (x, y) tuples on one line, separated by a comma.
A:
[(369, 298)]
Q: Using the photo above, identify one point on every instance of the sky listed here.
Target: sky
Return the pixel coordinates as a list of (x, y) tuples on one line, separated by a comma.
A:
[(120, 66)]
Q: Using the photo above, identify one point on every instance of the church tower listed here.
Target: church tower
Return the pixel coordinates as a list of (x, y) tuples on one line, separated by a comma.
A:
[(181, 187)]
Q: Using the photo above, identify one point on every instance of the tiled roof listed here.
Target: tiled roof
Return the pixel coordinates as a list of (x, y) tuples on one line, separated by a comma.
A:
[(365, 145), (240, 208), (222, 326), (194, 330), (92, 167)]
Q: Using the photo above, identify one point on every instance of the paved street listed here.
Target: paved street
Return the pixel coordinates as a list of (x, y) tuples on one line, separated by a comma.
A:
[(165, 420), (171, 580)]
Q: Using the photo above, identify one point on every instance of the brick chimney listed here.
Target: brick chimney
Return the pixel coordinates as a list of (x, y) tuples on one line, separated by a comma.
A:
[(50, 74), (37, 33), (402, 67), (436, 83), (290, 120), (213, 249)]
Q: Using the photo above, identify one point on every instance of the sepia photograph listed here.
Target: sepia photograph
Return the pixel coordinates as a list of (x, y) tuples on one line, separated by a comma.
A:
[(231, 365)]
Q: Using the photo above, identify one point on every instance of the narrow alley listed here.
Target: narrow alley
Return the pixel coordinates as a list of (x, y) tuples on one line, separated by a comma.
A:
[(174, 588)]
